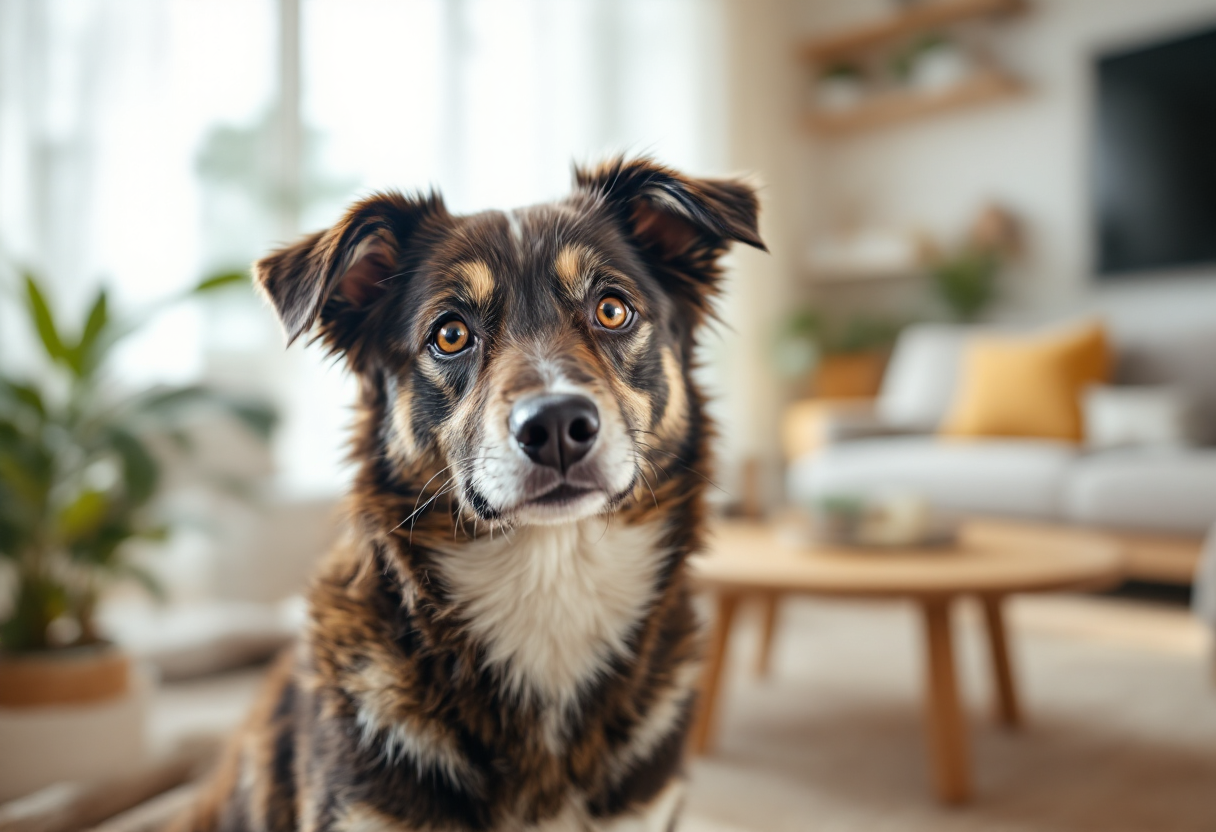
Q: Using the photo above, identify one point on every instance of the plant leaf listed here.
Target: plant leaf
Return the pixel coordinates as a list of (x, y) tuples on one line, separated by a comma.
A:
[(219, 281), (162, 400), (23, 394), (83, 516), (39, 601), (26, 469), (44, 321), (156, 534), (92, 346), (141, 473), (260, 418)]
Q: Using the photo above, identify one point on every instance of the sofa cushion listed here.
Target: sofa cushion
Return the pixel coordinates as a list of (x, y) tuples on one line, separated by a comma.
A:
[(1144, 488), (918, 386), (1029, 385), (1179, 358), (1137, 417), (1019, 477)]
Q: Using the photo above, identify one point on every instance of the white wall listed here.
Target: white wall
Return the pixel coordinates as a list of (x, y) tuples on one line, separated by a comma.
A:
[(1029, 154), (761, 94)]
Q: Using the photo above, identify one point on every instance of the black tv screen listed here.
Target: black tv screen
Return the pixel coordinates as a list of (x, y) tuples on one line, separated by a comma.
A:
[(1154, 177)]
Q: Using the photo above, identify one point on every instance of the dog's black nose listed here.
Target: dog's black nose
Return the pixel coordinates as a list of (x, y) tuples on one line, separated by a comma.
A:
[(555, 430)]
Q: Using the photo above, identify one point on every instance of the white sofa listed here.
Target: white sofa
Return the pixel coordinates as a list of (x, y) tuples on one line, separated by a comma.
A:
[(1163, 494)]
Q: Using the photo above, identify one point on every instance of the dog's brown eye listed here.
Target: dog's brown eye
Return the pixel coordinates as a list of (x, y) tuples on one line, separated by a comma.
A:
[(611, 312), (452, 336)]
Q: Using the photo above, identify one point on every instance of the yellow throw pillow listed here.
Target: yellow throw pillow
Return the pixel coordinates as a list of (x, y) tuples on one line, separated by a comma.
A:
[(1029, 386)]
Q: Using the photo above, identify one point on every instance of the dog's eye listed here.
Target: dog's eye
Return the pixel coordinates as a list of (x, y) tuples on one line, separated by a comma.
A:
[(612, 312), (451, 337)]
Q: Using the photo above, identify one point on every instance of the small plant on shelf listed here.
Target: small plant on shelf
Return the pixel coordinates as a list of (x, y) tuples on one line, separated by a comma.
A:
[(840, 86)]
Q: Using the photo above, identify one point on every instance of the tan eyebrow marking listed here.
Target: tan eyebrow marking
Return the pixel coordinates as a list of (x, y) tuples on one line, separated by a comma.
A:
[(478, 278), (573, 264)]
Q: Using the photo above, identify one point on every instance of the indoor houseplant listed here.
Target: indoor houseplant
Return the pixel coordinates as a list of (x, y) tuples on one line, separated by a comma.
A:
[(78, 481), (840, 357), (965, 276)]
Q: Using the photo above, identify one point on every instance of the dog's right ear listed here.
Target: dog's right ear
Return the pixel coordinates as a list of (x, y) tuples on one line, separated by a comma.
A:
[(343, 270)]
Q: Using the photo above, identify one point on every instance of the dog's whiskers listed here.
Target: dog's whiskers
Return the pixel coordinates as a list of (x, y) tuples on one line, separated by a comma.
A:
[(678, 461), (649, 486)]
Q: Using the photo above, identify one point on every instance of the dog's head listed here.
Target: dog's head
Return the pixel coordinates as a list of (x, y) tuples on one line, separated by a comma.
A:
[(533, 361)]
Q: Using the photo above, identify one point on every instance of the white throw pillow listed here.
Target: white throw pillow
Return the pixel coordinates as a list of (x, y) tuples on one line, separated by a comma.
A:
[(1122, 417), (918, 386)]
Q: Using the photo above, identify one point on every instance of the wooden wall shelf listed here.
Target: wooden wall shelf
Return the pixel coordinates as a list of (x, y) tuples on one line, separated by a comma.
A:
[(923, 16), (895, 107)]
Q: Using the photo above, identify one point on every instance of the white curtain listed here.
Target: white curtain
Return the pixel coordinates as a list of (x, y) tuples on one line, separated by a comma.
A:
[(492, 99), (142, 144)]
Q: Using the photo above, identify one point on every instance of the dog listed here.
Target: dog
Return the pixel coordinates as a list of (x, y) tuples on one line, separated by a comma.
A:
[(504, 638)]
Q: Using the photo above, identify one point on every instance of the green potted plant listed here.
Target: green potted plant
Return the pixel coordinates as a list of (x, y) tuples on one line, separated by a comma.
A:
[(840, 358), (78, 482), (965, 277)]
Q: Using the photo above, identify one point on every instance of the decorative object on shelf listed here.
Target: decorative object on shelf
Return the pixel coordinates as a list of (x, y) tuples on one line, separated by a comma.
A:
[(865, 253), (901, 106), (965, 277), (932, 63), (840, 87), (934, 70), (898, 26), (78, 480)]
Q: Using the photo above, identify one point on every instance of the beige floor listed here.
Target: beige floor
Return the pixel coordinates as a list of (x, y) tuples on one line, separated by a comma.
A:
[(1121, 730), (1121, 734)]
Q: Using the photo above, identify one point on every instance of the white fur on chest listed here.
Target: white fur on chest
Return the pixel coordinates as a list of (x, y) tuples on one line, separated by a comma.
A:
[(552, 605)]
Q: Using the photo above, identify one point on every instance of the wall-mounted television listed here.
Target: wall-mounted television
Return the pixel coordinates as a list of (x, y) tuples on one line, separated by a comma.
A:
[(1153, 183)]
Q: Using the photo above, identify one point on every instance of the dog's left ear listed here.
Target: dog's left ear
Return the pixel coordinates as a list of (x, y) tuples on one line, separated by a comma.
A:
[(340, 272), (685, 223)]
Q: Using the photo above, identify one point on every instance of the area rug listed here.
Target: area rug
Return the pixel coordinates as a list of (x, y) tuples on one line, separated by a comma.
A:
[(1120, 733)]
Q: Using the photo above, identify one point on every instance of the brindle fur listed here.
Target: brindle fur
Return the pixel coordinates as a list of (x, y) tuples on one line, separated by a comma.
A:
[(383, 628)]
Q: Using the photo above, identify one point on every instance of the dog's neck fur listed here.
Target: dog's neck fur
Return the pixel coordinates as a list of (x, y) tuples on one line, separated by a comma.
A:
[(553, 606)]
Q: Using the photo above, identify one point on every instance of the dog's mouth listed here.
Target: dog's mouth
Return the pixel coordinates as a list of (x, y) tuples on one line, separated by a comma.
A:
[(561, 495)]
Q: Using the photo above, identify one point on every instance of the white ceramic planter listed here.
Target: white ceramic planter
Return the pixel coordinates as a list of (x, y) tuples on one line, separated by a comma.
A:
[(44, 745)]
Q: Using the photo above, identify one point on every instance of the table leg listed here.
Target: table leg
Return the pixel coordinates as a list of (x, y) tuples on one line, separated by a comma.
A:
[(711, 684), (768, 630), (947, 730), (1008, 711)]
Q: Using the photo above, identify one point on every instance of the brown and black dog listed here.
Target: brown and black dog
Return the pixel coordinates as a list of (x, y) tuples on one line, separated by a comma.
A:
[(504, 640)]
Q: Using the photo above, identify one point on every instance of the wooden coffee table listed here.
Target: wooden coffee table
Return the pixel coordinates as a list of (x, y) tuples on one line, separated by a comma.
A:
[(990, 561)]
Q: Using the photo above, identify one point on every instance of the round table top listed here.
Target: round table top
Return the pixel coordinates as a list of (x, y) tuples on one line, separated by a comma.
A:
[(989, 558)]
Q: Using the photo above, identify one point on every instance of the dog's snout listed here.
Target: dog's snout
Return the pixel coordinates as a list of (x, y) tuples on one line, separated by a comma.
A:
[(555, 430)]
